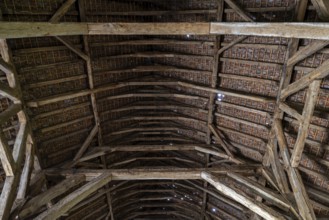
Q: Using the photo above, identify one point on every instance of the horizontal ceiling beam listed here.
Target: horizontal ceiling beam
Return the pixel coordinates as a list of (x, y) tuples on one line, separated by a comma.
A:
[(313, 30), (149, 174), (99, 151)]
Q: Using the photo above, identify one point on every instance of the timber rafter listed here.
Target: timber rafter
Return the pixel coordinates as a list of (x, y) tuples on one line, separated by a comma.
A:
[(190, 120)]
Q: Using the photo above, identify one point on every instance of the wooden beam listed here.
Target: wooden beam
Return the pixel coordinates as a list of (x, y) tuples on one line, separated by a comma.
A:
[(99, 151), (73, 48), (82, 15), (319, 73), (269, 157), (127, 161), (219, 197), (151, 174), (70, 95), (310, 49), (41, 29), (6, 156), (10, 112), (288, 30), (74, 198), (10, 188), (6, 67), (222, 144), (64, 124), (196, 28), (212, 102), (289, 110), (157, 54), (55, 81), (9, 93), (322, 8), (86, 143), (27, 170), (34, 204), (154, 41), (239, 10), (264, 192), (247, 78), (277, 169), (304, 206), (62, 11), (311, 99), (11, 184), (155, 68), (158, 130), (314, 30), (257, 207)]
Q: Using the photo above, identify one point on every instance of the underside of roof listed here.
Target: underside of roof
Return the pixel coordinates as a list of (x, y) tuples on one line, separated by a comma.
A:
[(181, 125)]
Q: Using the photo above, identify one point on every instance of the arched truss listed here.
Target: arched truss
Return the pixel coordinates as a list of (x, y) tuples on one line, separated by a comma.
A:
[(160, 141)]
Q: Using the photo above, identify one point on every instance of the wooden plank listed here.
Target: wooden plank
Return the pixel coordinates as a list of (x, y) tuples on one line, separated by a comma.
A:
[(257, 207), (6, 156), (322, 8), (34, 204), (62, 11), (74, 198), (319, 73), (311, 98)]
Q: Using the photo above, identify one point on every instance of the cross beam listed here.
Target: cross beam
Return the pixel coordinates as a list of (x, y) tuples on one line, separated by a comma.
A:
[(314, 30)]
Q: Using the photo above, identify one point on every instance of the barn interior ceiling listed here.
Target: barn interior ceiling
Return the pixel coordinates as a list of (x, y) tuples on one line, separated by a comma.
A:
[(153, 109)]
